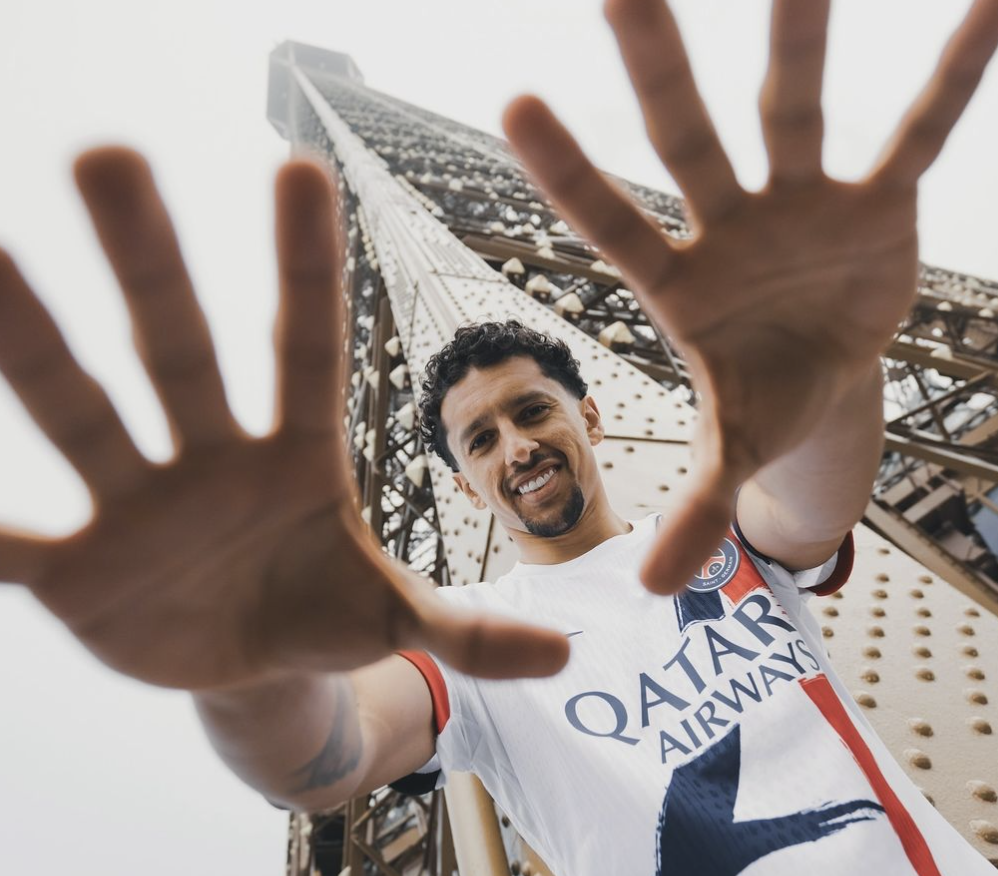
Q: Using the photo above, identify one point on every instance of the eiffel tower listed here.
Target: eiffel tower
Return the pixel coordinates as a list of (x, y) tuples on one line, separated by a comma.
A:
[(445, 228)]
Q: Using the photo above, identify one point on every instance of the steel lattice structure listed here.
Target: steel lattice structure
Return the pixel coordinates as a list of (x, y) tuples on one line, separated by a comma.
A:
[(438, 212)]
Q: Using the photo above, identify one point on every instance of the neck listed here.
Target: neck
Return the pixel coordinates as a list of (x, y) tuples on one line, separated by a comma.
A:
[(597, 523)]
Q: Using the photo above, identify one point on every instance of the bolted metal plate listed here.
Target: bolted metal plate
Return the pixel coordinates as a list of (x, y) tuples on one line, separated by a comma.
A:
[(465, 530), (922, 659)]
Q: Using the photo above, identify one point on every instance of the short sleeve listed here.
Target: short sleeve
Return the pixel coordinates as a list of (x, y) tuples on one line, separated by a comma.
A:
[(821, 580), (453, 751), (825, 579)]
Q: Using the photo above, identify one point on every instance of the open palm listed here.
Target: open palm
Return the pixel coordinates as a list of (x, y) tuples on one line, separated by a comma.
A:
[(783, 299), (242, 557)]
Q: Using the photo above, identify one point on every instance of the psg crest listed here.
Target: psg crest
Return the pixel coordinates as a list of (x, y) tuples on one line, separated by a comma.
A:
[(718, 570)]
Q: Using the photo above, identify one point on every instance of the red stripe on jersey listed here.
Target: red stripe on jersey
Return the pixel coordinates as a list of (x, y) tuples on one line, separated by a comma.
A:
[(746, 579), (435, 682), (820, 690), (843, 568)]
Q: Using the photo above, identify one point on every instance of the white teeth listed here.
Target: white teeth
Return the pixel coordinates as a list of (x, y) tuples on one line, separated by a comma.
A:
[(536, 483)]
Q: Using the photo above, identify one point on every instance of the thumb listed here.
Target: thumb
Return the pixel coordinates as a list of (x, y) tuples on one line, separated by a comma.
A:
[(689, 536), (489, 646)]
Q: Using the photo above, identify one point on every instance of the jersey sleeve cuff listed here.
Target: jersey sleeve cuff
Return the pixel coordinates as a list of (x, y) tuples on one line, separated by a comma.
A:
[(844, 559), (428, 778), (841, 565), (435, 682)]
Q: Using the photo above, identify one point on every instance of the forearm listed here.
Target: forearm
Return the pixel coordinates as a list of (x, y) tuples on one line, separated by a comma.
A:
[(297, 741), (798, 508)]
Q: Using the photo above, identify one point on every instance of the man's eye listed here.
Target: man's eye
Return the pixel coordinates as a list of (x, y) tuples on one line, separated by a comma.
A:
[(479, 440), (534, 410)]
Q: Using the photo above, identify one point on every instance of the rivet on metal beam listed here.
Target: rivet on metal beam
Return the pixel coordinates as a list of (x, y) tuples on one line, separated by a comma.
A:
[(513, 267), (406, 416), (416, 470), (399, 375), (569, 305), (539, 286)]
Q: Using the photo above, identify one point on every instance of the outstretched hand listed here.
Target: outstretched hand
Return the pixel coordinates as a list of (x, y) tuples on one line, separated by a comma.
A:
[(784, 299), (242, 558)]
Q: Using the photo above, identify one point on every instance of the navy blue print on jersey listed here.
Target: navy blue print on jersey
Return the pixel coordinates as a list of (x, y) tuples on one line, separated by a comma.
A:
[(697, 833), (692, 607)]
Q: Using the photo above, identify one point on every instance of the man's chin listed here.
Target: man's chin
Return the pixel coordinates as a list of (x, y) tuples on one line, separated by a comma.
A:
[(559, 521)]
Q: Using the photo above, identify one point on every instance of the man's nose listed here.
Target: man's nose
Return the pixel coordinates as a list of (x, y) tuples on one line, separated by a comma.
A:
[(518, 447)]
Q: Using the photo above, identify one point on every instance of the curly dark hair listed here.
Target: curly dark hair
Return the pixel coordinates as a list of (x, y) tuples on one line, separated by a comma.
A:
[(479, 346)]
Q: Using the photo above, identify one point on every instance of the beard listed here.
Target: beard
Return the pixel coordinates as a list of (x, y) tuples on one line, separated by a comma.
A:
[(563, 520)]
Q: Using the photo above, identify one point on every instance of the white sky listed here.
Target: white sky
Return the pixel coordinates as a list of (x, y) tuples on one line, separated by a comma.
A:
[(102, 775)]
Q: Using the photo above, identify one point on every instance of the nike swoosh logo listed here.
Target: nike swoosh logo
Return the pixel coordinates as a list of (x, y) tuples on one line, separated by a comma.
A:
[(576, 633)]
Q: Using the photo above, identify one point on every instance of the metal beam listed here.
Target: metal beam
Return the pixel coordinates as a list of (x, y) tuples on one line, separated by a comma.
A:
[(507, 248), (922, 547), (474, 827), (956, 365), (941, 455)]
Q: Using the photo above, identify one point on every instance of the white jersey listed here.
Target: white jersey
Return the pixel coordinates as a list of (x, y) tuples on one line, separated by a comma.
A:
[(699, 735)]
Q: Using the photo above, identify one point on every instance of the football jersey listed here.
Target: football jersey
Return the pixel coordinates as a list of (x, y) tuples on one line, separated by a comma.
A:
[(702, 734)]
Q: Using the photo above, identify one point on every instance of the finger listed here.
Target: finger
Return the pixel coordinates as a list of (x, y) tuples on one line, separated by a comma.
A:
[(69, 406), (790, 103), (689, 537), (678, 124), (585, 197), (171, 333), (491, 647), (922, 132), (22, 557), (311, 322)]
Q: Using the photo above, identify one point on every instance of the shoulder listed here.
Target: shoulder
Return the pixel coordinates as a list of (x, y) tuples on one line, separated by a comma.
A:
[(509, 598), (480, 593)]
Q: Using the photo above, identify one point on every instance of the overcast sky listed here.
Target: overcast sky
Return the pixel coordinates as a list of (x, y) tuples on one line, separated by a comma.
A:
[(99, 775)]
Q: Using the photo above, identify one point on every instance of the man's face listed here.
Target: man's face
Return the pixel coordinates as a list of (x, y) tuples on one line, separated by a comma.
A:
[(523, 444)]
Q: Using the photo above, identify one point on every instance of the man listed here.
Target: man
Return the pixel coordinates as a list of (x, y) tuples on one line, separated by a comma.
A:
[(699, 734), (240, 571)]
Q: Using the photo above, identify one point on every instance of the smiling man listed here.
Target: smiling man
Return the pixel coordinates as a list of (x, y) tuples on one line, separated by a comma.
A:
[(679, 715), (507, 410), (666, 737)]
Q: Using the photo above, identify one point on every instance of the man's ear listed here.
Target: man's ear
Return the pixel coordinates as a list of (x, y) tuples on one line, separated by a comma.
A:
[(594, 422), (472, 496)]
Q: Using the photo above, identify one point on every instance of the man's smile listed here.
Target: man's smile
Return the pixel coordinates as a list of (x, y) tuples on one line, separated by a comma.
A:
[(534, 479), (540, 487)]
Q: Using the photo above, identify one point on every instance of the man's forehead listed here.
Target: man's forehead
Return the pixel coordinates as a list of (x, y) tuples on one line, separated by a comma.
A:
[(493, 388)]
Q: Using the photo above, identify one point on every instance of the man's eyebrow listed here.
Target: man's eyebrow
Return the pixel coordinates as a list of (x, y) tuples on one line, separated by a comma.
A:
[(515, 402), (471, 428)]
